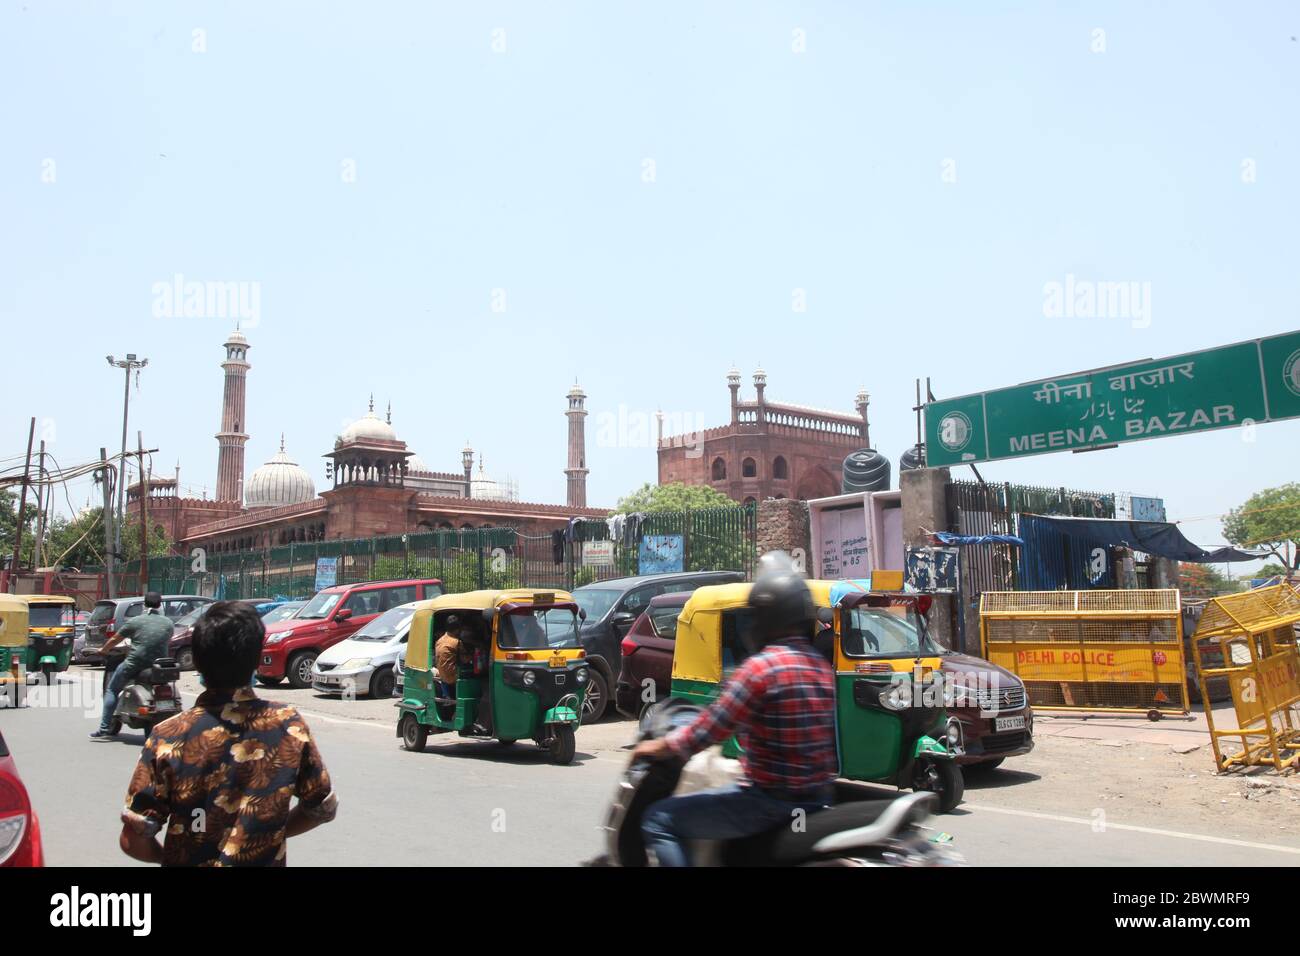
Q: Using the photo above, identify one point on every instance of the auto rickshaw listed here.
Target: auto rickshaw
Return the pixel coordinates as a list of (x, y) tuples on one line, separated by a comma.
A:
[(527, 666), (888, 727), (13, 649), (51, 628)]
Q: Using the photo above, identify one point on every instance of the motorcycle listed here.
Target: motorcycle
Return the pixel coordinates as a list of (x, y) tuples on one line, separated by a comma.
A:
[(858, 833), (150, 698)]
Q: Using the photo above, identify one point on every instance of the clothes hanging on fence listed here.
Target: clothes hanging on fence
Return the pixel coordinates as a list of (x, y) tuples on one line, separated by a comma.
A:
[(632, 529), (615, 525), (557, 546)]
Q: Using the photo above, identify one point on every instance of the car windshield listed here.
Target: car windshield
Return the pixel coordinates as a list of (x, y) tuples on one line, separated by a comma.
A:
[(189, 619), (663, 621), (102, 613), (282, 613), (321, 605), (596, 601), (885, 632), (532, 629), (387, 626)]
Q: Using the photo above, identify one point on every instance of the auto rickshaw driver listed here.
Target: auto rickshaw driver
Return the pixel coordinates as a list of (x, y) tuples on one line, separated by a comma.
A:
[(780, 703)]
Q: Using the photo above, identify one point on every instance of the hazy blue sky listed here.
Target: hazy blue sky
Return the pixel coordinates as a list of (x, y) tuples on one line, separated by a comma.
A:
[(379, 169)]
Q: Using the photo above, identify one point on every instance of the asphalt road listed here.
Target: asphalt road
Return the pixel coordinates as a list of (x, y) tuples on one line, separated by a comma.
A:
[(469, 803)]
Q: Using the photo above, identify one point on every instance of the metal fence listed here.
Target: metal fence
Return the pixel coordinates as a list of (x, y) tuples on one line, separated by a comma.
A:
[(587, 550)]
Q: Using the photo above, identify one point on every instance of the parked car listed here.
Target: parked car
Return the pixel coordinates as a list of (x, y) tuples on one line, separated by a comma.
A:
[(647, 673), (611, 608), (282, 612), (110, 614), (363, 664), (183, 633), (997, 721), (20, 831), (333, 615), (399, 669)]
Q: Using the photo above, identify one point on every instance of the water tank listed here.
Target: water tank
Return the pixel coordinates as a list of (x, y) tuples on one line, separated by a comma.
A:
[(910, 460), (866, 470)]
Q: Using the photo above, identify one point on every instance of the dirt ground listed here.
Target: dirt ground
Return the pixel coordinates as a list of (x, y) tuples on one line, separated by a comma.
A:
[(1143, 782)]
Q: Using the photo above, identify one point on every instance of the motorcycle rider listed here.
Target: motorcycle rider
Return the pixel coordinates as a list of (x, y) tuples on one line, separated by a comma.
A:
[(149, 633), (780, 704)]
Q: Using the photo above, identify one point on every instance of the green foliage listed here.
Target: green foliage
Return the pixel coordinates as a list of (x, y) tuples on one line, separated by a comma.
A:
[(673, 497), (459, 572), (1269, 518), (1271, 570), (1198, 582)]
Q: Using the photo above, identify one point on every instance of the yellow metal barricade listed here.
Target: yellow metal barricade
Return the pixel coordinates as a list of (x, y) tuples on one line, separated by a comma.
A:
[(1108, 651), (1250, 639)]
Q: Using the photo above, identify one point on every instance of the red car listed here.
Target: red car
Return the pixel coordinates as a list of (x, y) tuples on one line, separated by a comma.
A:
[(333, 614), (20, 833), (647, 649)]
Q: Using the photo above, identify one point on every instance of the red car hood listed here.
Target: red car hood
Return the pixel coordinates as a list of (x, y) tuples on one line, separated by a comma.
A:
[(967, 664), (295, 624)]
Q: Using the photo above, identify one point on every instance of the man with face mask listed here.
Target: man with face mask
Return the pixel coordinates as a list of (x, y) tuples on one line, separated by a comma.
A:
[(780, 705)]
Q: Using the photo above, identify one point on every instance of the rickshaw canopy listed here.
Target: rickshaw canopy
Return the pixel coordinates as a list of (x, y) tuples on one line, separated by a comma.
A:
[(419, 645), (13, 621)]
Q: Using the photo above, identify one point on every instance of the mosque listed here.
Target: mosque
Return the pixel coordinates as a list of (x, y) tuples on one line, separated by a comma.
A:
[(378, 486)]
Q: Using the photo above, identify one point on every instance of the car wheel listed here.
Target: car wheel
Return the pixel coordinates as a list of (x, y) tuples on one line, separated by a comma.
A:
[(563, 746), (596, 699), (299, 669), (269, 681), (382, 682), (414, 733), (185, 659)]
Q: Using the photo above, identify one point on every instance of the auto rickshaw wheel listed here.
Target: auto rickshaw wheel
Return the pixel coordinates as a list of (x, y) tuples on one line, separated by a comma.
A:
[(185, 660), (943, 778), (414, 733), (563, 745)]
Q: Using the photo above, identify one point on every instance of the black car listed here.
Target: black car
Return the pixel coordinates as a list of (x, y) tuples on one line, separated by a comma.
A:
[(612, 607)]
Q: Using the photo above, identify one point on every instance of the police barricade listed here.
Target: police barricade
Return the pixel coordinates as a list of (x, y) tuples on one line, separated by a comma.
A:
[(1250, 639), (1106, 651)]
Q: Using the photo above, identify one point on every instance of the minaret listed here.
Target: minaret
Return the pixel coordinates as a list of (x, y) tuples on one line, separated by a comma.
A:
[(231, 438), (467, 462), (863, 402), (577, 470), (733, 384), (760, 385)]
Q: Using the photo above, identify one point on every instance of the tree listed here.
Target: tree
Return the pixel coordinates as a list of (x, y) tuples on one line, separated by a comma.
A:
[(672, 497), (1197, 582), (1271, 570), (9, 525), (1271, 519)]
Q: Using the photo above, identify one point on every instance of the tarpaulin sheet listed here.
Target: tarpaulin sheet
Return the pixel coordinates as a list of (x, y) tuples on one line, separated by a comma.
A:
[(1159, 538), (961, 540)]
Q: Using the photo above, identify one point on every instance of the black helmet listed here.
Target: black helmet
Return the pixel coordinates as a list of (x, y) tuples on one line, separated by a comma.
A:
[(781, 601), (153, 599)]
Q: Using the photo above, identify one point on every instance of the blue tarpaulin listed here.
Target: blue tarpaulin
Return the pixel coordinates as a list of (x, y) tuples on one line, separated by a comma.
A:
[(961, 540), (1159, 538)]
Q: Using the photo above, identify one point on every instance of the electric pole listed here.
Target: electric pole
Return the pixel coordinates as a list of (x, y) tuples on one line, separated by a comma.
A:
[(22, 510), (129, 364), (108, 523)]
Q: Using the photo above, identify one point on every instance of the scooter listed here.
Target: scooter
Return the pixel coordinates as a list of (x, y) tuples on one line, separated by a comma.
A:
[(150, 698), (859, 833)]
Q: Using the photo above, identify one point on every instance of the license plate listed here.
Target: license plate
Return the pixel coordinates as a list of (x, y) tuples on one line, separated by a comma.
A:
[(1009, 723), (559, 661)]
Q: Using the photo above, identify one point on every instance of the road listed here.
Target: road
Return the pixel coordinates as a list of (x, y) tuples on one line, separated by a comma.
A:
[(470, 803)]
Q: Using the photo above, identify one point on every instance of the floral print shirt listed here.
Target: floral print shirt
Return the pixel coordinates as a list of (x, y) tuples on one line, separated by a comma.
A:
[(219, 778)]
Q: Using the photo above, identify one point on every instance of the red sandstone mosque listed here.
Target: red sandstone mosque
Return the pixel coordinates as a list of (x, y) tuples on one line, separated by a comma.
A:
[(378, 486)]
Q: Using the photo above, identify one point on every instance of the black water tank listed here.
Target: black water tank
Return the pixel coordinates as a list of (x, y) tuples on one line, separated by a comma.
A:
[(910, 460), (866, 470)]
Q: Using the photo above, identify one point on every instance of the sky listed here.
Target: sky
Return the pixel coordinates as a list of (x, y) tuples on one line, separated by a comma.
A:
[(463, 207)]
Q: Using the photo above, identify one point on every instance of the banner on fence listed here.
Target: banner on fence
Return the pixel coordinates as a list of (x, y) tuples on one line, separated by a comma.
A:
[(660, 553), (327, 573)]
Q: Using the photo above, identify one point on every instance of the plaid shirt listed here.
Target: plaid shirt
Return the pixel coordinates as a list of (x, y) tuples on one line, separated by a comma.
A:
[(780, 704)]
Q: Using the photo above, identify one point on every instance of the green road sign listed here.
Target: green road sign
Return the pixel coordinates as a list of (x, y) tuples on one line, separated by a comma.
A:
[(1257, 381)]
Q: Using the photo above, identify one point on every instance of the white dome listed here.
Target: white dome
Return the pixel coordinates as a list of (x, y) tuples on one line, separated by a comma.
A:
[(371, 427), (281, 481), (416, 463)]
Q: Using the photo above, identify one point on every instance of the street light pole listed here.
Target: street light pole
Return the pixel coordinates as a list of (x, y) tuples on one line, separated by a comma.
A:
[(129, 364)]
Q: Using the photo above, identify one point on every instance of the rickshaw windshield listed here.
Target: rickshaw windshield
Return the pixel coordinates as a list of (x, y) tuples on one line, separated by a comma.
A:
[(885, 632), (49, 615), (535, 629)]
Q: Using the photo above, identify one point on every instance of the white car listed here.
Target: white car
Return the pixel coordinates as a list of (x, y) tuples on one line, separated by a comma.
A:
[(363, 664)]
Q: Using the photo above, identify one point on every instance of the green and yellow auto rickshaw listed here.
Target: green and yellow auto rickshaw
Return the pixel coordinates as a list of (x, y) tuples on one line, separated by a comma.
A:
[(523, 675), (890, 724), (13, 649), (51, 627)]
